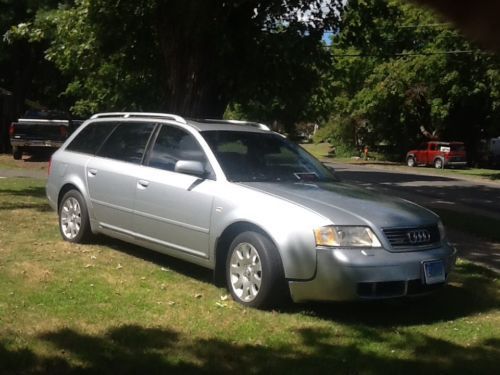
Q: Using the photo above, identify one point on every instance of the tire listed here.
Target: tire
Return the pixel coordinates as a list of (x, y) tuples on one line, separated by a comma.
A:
[(17, 153), (410, 161), (438, 163), (254, 272), (74, 222)]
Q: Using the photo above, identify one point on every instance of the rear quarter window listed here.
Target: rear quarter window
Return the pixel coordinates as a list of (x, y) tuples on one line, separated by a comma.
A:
[(91, 137)]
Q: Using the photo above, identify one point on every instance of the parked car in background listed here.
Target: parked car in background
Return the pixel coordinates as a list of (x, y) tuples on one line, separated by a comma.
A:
[(40, 131), (438, 154), (235, 197)]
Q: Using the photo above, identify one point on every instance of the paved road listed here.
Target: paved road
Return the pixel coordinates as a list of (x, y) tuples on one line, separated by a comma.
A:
[(428, 190)]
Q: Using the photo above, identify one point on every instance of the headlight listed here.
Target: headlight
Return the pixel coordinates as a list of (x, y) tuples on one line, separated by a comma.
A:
[(442, 231), (346, 236)]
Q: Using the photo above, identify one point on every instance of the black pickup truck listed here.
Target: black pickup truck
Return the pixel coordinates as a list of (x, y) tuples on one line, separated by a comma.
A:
[(36, 134)]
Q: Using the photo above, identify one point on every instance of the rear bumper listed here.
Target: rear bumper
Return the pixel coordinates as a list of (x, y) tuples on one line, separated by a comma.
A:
[(35, 143), (372, 274)]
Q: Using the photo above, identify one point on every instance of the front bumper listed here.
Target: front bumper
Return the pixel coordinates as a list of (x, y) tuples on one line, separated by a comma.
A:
[(347, 274)]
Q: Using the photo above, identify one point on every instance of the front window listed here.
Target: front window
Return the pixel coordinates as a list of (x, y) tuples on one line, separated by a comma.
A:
[(263, 157)]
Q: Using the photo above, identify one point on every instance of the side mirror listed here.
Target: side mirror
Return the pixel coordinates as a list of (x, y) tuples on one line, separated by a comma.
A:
[(191, 167)]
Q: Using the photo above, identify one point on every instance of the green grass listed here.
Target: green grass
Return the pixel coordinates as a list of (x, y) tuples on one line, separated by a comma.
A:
[(490, 174), (110, 307)]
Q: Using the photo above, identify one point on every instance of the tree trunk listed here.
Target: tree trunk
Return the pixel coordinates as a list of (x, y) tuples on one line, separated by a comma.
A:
[(195, 51)]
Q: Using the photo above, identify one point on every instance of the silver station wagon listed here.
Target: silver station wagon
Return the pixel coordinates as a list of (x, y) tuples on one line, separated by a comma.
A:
[(269, 219)]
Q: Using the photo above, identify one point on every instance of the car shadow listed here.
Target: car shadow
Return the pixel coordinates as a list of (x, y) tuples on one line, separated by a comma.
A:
[(37, 157)]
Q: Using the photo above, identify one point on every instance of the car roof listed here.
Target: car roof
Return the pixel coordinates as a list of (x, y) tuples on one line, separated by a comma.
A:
[(198, 124)]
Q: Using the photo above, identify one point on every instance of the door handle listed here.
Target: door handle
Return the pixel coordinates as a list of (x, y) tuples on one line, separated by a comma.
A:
[(92, 172), (142, 184)]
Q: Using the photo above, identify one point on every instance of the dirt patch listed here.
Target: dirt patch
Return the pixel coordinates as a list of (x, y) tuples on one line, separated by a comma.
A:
[(32, 273)]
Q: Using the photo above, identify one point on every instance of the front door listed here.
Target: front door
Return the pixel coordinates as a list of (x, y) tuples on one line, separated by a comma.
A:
[(173, 209)]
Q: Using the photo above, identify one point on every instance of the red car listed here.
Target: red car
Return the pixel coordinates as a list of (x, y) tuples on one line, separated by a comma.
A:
[(438, 154)]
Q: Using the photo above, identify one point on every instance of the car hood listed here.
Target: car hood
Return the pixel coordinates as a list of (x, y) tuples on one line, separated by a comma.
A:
[(346, 204)]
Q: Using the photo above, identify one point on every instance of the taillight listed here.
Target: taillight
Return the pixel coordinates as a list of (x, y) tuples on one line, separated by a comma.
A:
[(63, 131), (12, 129)]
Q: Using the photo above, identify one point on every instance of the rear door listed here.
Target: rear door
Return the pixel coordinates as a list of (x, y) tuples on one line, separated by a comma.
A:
[(111, 174)]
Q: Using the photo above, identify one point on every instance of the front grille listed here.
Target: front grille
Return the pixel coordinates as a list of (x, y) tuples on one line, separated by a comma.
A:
[(412, 238)]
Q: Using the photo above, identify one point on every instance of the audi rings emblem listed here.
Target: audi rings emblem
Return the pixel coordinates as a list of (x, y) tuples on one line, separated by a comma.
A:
[(419, 236)]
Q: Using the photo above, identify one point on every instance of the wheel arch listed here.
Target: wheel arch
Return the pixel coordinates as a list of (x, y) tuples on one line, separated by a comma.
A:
[(224, 241), (64, 189), (439, 157)]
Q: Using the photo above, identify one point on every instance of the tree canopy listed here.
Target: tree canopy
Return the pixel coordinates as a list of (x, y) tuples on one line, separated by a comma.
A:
[(393, 72), (398, 69), (188, 57)]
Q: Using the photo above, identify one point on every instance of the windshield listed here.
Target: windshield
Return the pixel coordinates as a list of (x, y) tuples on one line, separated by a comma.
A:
[(263, 157)]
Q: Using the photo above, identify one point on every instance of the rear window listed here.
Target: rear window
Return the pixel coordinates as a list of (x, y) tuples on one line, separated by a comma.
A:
[(91, 137)]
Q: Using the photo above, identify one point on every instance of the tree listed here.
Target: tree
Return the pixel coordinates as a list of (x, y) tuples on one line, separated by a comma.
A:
[(399, 70), (188, 57), (23, 71)]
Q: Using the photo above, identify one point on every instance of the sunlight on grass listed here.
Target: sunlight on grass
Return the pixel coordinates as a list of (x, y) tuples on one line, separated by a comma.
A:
[(112, 307)]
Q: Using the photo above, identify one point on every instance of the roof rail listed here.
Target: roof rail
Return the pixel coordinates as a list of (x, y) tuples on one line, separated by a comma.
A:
[(139, 115), (238, 122), (49, 121)]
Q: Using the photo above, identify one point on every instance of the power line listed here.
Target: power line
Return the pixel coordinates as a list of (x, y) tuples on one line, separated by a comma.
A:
[(430, 25), (404, 54)]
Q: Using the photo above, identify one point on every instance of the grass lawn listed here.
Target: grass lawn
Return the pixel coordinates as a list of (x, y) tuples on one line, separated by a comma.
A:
[(110, 307), (37, 162)]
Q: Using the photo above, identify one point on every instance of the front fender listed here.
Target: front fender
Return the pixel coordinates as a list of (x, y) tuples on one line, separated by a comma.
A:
[(289, 226)]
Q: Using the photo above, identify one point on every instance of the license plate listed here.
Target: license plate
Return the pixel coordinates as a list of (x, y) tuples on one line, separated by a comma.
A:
[(434, 272)]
